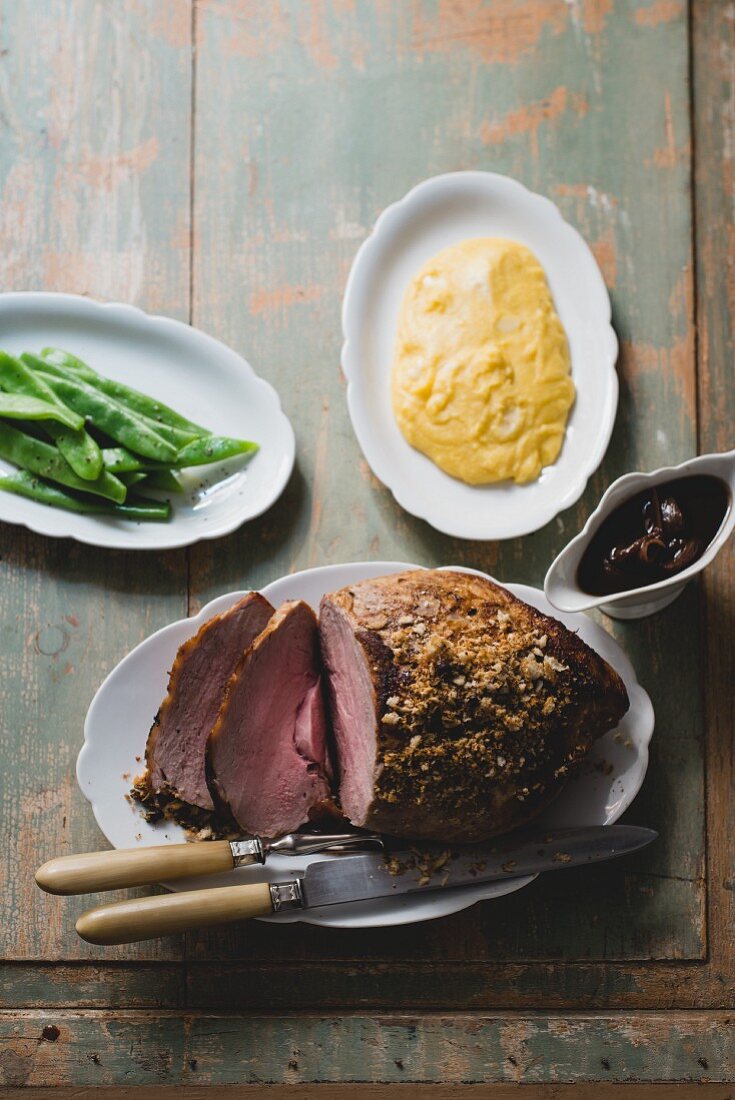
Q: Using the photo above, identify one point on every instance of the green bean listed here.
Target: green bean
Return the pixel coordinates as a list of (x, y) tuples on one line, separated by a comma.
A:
[(77, 447), (112, 418), (34, 488), (119, 460), (17, 378), (132, 478), (213, 448), (19, 406), (163, 481), (44, 460), (65, 359), (134, 399)]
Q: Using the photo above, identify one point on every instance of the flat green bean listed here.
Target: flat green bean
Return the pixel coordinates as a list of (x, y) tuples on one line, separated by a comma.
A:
[(135, 508), (20, 406), (77, 447), (213, 448), (112, 418), (44, 460), (119, 460), (132, 478), (141, 403), (163, 481)]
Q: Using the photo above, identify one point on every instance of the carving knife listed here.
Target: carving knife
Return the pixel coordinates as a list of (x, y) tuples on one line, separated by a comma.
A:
[(88, 872), (399, 875)]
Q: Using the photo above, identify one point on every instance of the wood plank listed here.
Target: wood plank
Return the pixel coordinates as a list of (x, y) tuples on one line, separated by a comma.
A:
[(604, 1091), (108, 1048), (92, 985), (94, 179), (310, 119), (425, 985), (714, 114)]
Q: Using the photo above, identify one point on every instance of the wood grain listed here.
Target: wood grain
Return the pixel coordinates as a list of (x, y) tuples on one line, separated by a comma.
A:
[(309, 118), (336, 113), (94, 1048), (94, 164), (714, 100), (388, 1092)]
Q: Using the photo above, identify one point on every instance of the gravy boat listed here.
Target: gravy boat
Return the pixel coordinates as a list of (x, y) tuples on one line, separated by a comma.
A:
[(561, 585)]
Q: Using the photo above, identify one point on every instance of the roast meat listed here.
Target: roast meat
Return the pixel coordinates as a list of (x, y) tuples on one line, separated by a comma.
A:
[(196, 686), (458, 711), (267, 754)]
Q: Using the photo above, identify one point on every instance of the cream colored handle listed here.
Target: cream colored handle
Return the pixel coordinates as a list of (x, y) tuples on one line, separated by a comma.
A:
[(114, 870), (146, 918)]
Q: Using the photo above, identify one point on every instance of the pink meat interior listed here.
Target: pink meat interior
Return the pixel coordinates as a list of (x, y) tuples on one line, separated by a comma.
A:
[(268, 755), (352, 710)]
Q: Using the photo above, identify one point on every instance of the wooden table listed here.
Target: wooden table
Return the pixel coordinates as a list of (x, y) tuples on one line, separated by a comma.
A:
[(220, 162)]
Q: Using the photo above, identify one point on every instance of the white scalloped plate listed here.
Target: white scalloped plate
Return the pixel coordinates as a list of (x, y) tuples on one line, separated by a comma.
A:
[(121, 712), (439, 212), (193, 372)]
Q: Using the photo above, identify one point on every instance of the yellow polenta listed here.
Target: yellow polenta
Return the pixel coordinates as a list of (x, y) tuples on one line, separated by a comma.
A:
[(481, 374)]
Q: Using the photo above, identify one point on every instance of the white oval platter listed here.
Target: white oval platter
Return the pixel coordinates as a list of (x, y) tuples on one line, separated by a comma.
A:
[(121, 713), (439, 212), (196, 374)]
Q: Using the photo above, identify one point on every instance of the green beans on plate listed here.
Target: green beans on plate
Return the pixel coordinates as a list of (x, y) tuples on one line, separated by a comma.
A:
[(104, 437), (78, 447), (35, 488)]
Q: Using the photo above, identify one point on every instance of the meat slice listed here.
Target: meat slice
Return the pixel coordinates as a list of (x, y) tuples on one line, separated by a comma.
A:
[(203, 665), (267, 754), (458, 711)]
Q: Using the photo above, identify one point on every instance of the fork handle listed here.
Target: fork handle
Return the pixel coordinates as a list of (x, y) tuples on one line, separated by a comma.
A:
[(88, 872)]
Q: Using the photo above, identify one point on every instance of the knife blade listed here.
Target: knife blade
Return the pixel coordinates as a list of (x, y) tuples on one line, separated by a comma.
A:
[(361, 878), (350, 879)]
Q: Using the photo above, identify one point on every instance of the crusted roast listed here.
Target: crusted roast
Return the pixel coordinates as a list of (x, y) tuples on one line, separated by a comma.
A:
[(458, 711), (203, 665), (267, 754)]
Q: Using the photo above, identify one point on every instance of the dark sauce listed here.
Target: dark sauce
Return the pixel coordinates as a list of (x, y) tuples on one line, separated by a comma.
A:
[(654, 535)]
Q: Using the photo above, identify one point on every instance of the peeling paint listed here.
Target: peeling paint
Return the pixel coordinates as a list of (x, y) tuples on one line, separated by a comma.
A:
[(283, 297), (504, 31), (528, 119), (660, 11), (107, 172)]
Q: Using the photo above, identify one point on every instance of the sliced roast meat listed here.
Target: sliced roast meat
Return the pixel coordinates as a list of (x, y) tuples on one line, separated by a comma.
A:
[(267, 754), (196, 686), (458, 711)]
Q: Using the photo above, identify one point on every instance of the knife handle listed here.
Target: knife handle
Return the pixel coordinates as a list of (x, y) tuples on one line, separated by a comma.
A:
[(91, 871), (147, 918)]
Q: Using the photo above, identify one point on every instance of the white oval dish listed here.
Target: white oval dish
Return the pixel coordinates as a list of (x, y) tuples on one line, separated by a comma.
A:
[(196, 374), (439, 212), (561, 587), (121, 712)]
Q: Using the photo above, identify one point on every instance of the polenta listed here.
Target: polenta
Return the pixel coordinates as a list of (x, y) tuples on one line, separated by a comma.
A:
[(481, 375)]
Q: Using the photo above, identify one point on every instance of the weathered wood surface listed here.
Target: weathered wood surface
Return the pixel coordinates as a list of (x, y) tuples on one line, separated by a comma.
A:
[(337, 111), (234, 186), (94, 178), (161, 1049), (392, 1091)]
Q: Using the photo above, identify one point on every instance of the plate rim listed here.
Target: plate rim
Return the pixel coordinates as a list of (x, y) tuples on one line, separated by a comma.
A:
[(65, 527), (464, 527), (642, 700)]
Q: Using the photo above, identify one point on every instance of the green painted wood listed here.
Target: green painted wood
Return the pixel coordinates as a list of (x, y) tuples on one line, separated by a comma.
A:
[(110, 1049), (94, 167), (266, 238), (92, 985), (309, 120)]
